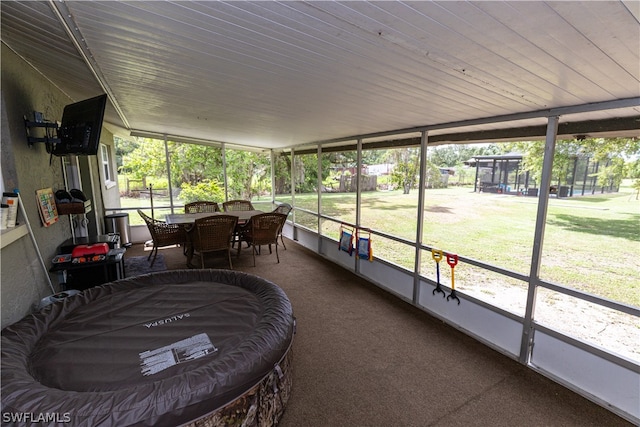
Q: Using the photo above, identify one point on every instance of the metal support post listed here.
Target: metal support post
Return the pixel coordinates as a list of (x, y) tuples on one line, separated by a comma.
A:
[(526, 343)]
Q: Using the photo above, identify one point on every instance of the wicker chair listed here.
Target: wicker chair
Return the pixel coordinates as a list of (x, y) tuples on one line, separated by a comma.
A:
[(163, 234), (212, 234), (238, 205), (201, 206), (262, 229), (283, 208)]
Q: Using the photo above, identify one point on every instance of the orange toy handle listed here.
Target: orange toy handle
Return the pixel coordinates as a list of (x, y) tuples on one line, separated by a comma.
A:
[(436, 254)]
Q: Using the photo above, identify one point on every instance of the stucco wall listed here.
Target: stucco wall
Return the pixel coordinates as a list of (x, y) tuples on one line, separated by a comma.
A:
[(22, 277)]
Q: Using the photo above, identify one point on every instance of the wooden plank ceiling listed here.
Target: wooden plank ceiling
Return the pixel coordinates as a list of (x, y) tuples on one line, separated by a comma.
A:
[(269, 74)]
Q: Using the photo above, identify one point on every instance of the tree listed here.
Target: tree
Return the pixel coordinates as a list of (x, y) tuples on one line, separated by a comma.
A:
[(633, 172), (282, 166), (244, 170), (306, 170), (343, 159), (456, 154), (603, 150), (445, 156), (193, 163), (433, 176), (374, 157), (341, 162), (406, 169), (123, 147), (613, 150), (148, 159), (462, 173)]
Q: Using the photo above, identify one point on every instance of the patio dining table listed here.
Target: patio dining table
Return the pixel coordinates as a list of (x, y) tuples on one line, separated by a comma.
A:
[(190, 218), (187, 220)]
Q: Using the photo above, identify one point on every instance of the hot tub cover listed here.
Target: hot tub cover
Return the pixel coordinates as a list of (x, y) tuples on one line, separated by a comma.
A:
[(157, 349)]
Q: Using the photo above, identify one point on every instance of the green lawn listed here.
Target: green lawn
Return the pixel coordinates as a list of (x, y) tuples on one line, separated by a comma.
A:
[(591, 243)]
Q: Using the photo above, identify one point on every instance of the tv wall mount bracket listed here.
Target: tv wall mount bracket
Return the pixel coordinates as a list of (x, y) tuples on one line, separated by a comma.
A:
[(48, 133)]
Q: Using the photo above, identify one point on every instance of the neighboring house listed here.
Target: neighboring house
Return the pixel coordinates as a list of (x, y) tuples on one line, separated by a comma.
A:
[(379, 169)]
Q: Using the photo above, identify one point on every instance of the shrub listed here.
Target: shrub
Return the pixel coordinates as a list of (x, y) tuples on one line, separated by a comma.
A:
[(210, 190)]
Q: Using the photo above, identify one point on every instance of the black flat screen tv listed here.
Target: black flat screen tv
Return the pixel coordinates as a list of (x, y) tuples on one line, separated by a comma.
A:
[(80, 129)]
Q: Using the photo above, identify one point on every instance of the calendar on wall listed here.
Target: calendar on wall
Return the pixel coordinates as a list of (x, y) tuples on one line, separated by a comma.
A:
[(47, 206)]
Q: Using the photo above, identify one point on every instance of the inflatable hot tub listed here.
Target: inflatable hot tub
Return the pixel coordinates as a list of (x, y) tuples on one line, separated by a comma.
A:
[(194, 347)]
